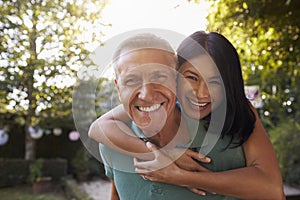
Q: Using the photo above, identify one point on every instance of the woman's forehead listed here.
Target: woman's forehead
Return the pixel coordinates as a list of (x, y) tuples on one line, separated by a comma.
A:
[(202, 64)]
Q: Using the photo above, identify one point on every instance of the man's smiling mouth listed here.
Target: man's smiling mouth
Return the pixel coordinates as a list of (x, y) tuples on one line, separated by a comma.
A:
[(149, 108)]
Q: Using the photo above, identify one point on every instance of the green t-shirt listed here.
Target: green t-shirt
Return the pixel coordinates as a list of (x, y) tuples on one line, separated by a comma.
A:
[(132, 186)]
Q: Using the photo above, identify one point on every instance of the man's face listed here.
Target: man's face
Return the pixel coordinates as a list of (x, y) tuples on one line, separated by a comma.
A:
[(147, 84)]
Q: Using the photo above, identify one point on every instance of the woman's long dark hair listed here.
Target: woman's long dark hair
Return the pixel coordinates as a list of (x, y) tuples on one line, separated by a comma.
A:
[(239, 118)]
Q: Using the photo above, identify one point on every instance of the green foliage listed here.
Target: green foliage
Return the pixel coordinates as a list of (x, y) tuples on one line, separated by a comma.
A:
[(92, 98), (266, 34), (16, 171), (22, 193), (13, 171), (35, 170), (43, 43), (285, 137), (80, 162)]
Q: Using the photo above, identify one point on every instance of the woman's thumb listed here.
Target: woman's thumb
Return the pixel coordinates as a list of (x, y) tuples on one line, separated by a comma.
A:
[(151, 146)]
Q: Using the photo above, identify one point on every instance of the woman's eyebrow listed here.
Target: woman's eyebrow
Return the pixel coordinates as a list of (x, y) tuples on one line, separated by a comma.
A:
[(189, 71), (214, 77)]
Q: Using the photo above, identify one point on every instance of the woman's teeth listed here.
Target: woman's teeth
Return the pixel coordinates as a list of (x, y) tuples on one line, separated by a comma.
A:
[(198, 104)]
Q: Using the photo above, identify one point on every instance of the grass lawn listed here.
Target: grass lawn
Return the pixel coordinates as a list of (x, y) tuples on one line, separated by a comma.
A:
[(24, 192)]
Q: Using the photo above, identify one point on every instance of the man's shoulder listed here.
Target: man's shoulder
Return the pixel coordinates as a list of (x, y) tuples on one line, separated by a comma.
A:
[(116, 160)]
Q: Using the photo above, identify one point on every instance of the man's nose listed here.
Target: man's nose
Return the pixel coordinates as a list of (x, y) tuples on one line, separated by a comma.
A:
[(146, 92)]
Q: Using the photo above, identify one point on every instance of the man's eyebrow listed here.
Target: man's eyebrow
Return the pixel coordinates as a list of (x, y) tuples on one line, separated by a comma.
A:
[(129, 75), (162, 70)]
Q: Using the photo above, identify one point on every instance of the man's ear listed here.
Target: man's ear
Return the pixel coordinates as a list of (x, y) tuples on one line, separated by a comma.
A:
[(117, 86)]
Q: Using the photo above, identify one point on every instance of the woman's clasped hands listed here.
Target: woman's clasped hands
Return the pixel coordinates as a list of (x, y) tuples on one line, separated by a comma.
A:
[(166, 165)]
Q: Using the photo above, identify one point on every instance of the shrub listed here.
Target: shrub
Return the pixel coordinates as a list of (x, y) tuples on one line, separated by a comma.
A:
[(15, 171), (35, 170), (80, 161), (285, 138)]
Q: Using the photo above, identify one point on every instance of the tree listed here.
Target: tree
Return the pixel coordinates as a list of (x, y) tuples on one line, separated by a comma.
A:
[(42, 46), (266, 35), (91, 98)]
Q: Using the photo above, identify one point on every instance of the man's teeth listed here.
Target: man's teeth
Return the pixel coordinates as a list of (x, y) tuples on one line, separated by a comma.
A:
[(149, 109), (198, 104)]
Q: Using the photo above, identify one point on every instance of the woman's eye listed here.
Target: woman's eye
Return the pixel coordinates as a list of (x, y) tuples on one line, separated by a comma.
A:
[(193, 78), (214, 82)]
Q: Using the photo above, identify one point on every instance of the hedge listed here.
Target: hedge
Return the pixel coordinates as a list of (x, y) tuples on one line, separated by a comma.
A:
[(15, 171)]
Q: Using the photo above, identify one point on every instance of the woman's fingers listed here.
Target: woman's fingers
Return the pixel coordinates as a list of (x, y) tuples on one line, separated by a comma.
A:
[(151, 146), (198, 191), (141, 165), (160, 161), (198, 156)]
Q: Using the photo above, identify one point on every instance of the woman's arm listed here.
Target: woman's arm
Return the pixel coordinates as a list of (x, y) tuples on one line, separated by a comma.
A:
[(260, 179), (112, 130), (114, 193)]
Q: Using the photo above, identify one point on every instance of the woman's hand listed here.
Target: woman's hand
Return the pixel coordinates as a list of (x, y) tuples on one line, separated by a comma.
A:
[(160, 164), (163, 169)]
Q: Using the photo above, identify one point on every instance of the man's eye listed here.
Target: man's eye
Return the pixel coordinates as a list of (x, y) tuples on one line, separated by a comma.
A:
[(132, 81), (159, 77)]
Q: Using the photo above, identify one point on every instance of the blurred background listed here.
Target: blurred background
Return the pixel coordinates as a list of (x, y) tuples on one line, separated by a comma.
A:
[(45, 44)]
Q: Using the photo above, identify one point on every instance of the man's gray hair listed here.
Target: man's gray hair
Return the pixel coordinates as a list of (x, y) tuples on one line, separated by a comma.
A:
[(142, 41)]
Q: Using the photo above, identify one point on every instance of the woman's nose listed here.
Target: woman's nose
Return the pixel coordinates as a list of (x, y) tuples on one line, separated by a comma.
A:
[(202, 90)]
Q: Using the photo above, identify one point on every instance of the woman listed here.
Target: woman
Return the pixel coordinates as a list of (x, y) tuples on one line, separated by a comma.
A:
[(200, 95)]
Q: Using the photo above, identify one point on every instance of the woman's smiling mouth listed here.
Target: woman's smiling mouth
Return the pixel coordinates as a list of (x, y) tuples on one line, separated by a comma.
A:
[(198, 104)]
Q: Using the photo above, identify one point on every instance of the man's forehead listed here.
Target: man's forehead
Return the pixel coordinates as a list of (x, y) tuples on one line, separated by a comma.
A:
[(149, 54), (146, 59), (147, 68)]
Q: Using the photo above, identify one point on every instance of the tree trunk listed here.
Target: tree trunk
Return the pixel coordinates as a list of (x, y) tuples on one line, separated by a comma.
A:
[(29, 145), (29, 141)]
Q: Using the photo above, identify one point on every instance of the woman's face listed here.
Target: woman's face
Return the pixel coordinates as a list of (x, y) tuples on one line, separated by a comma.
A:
[(199, 88)]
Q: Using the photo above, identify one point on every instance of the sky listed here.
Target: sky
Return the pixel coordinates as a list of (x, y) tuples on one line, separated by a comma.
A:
[(176, 15), (179, 16)]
